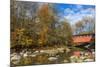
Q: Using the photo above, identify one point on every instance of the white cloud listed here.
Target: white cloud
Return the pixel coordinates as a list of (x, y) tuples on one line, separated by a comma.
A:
[(89, 11), (74, 17), (68, 11)]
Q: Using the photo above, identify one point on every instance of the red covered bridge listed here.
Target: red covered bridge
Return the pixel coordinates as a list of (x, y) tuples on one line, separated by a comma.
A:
[(83, 39)]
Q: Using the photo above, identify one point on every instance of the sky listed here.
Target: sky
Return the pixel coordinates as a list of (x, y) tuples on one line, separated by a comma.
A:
[(75, 12), (71, 12)]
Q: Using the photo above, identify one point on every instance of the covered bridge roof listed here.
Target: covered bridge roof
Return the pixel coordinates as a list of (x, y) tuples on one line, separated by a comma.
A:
[(83, 38)]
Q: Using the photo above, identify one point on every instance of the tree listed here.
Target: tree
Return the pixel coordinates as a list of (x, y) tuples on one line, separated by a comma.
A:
[(85, 26), (79, 26), (89, 24), (46, 18), (64, 32), (41, 27)]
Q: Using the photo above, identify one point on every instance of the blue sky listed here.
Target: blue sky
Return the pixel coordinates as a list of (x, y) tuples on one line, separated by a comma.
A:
[(75, 12)]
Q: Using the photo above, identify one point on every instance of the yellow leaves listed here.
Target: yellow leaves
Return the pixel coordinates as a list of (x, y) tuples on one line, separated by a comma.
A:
[(44, 10), (26, 42), (20, 31), (29, 41), (23, 42), (43, 34), (40, 41), (45, 14)]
